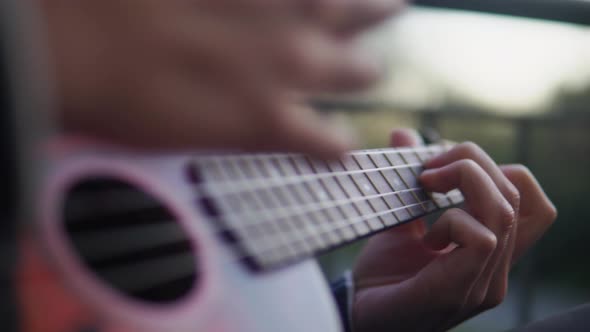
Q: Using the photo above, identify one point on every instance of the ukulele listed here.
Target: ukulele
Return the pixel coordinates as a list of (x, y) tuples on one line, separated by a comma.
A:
[(119, 241), (208, 241)]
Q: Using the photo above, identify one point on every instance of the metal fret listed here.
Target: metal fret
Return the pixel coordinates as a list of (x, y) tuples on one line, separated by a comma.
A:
[(253, 201), (277, 203), (396, 184), (313, 218), (371, 184), (338, 190), (441, 200), (243, 236), (412, 158), (280, 208), (400, 180), (259, 235), (408, 177), (305, 226), (324, 196), (352, 190), (315, 193)]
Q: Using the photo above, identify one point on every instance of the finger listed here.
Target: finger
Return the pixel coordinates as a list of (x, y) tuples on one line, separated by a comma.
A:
[(470, 151), (473, 152), (268, 9), (487, 204), (456, 272), (537, 211), (297, 127), (491, 289), (313, 62), (483, 199), (403, 137), (336, 15), (293, 55), (347, 17)]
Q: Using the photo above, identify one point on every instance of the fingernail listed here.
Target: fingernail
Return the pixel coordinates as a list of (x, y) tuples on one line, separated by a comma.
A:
[(430, 162), (427, 176), (427, 173)]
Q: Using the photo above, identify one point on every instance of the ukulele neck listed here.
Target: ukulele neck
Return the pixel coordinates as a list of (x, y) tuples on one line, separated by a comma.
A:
[(276, 209)]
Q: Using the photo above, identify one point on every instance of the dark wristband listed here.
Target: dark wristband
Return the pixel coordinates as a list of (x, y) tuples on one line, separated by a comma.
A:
[(343, 290)]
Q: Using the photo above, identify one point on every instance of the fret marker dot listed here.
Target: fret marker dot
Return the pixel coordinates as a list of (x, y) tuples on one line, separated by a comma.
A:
[(322, 195), (367, 187)]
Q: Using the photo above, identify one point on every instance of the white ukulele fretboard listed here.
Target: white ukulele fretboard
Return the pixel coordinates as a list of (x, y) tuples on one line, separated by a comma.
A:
[(276, 209)]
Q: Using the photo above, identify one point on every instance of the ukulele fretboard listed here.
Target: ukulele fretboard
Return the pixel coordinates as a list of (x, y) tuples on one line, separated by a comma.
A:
[(276, 209)]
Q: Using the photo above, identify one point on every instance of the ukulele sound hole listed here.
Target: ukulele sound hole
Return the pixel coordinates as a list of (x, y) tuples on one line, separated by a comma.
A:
[(129, 240)]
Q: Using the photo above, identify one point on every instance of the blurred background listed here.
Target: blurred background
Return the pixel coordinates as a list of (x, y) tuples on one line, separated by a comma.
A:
[(514, 77)]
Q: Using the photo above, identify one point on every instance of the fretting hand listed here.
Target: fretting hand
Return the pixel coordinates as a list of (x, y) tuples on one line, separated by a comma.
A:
[(415, 279)]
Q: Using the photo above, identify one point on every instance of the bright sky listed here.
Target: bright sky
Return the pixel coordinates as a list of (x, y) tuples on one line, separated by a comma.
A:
[(509, 64)]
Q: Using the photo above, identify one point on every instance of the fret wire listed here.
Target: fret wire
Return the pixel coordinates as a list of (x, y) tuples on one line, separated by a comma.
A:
[(313, 207), (239, 257), (292, 228), (419, 158), (282, 191), (274, 226), (423, 160), (374, 187), (243, 233), (229, 185), (312, 221), (346, 223), (306, 191), (387, 150), (269, 250), (406, 181), (445, 147), (334, 176), (332, 196), (240, 199), (393, 184), (325, 210), (362, 228), (403, 181), (306, 224), (396, 194), (287, 154), (380, 181), (346, 191), (431, 154)]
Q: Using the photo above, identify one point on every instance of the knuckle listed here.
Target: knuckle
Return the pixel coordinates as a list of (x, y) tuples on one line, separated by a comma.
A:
[(507, 217), (512, 195), (469, 166), (521, 170), (551, 213), (468, 149), (487, 244)]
